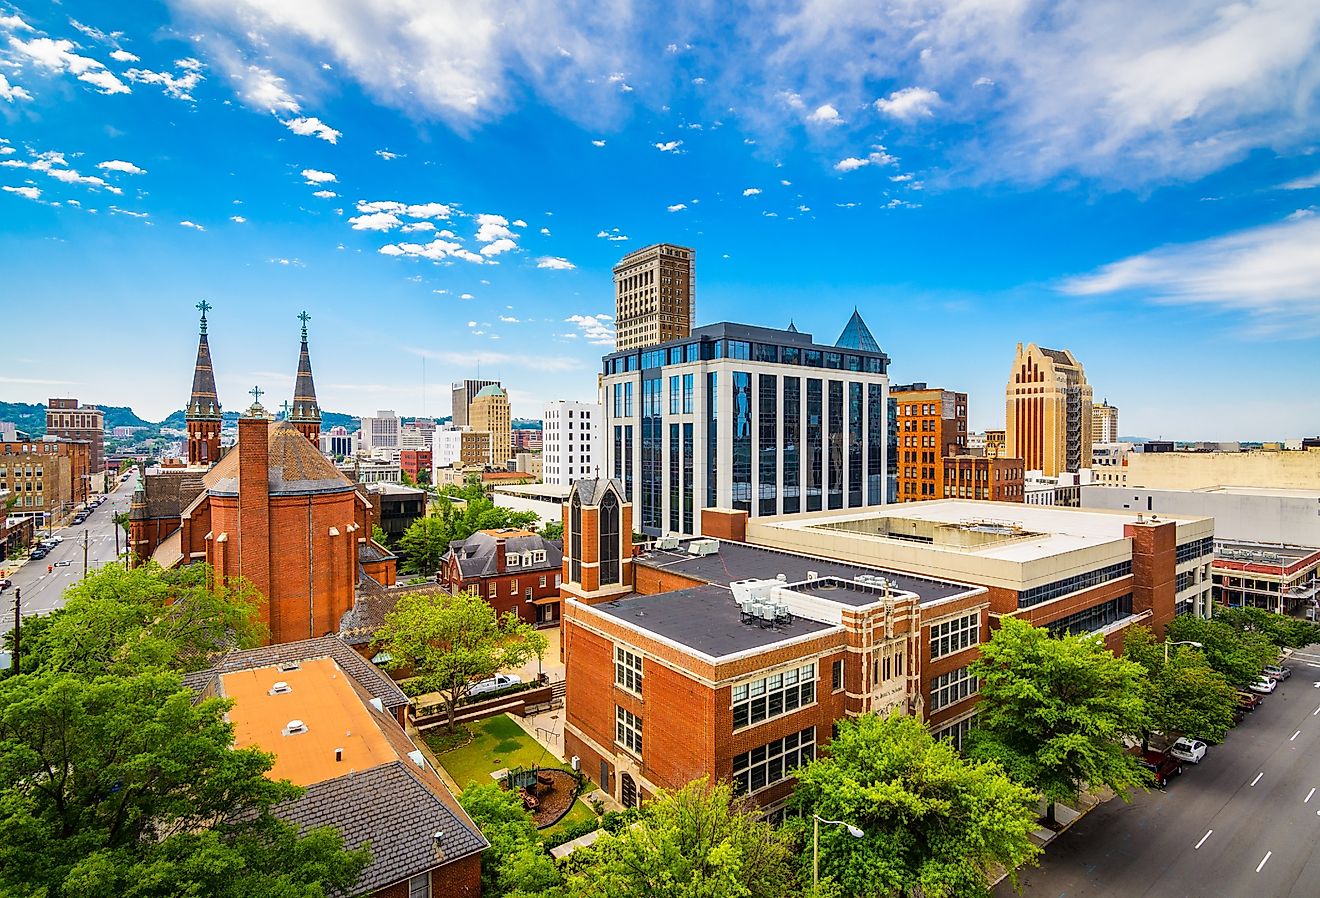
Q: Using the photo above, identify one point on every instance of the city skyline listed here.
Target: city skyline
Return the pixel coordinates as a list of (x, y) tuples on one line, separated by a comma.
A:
[(462, 206)]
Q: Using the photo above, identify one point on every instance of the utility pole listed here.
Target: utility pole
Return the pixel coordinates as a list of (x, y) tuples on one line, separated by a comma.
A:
[(86, 540), (18, 623)]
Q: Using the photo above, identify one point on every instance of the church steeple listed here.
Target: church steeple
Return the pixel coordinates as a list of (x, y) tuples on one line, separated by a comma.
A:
[(306, 414), (203, 412)]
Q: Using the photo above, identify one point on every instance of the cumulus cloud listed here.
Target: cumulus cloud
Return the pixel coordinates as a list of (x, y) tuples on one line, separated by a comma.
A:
[(677, 207), (179, 84), (14, 23), (387, 155), (313, 127), (324, 194), (120, 165), (375, 221), (878, 156), (598, 329), (909, 104), (191, 224), (31, 193), (441, 249), (263, 89), (1271, 273), (555, 263), (669, 146), (318, 177), (237, 219), (124, 56), (751, 191), (498, 247), (11, 92), (492, 227), (598, 143), (825, 115), (612, 234), (58, 56)]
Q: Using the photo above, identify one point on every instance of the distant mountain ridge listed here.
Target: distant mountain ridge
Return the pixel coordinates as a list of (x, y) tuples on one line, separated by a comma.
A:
[(30, 418)]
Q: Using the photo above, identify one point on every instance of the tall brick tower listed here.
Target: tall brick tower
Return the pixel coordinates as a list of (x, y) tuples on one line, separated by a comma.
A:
[(254, 496), (306, 414), (597, 542), (203, 413)]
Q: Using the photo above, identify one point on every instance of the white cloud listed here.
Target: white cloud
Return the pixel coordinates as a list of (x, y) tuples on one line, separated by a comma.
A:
[(179, 86), (786, 183), (677, 207), (1303, 183), (318, 177), (31, 193), (127, 168), (429, 210), (440, 249), (909, 104), (413, 226), (192, 224), (313, 127), (502, 245), (825, 115), (124, 56), (899, 179), (11, 92), (1271, 272), (545, 232), (387, 155), (983, 82), (14, 23), (58, 56), (669, 146), (466, 296), (375, 221), (237, 219), (612, 234), (519, 223), (751, 191), (555, 263), (493, 227), (598, 143), (878, 156), (115, 210), (509, 319), (597, 329), (325, 194), (262, 88)]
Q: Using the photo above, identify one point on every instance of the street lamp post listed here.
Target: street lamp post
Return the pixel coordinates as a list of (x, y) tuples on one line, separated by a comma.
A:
[(816, 821), (1188, 642)]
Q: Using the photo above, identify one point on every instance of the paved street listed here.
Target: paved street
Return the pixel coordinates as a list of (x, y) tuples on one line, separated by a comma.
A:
[(43, 591), (1246, 822)]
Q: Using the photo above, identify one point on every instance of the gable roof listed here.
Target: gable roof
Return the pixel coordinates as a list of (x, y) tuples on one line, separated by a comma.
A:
[(592, 490), (476, 555), (856, 335)]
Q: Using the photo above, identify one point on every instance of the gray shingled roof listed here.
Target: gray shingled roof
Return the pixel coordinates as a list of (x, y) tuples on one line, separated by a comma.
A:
[(476, 554), (592, 490), (1057, 355), (396, 814), (372, 680), (168, 493)]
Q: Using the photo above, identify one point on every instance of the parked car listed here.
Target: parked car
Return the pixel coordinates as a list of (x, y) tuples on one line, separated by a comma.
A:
[(1264, 685), (1189, 750), (494, 684), (56, 539), (1161, 765), (1247, 701), (5, 584), (1277, 671), (40, 553)]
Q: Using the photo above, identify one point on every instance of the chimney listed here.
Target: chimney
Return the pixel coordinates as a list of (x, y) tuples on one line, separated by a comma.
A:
[(254, 509), (500, 555)]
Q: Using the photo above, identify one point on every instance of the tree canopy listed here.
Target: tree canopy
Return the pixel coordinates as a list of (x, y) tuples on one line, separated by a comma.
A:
[(933, 820), (1237, 654), (516, 863), (1054, 711), (1186, 696), (452, 641), (426, 540), (1285, 632)]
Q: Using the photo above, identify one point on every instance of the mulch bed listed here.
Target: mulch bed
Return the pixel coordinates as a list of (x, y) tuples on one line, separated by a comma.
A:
[(555, 798)]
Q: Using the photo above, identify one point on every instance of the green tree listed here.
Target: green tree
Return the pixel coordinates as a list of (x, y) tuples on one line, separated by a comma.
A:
[(1187, 695), (379, 535), (1239, 655), (516, 862), (121, 620), (553, 530), (697, 842), (452, 641), (1055, 711), (1285, 632), (423, 546), (935, 823), (123, 786)]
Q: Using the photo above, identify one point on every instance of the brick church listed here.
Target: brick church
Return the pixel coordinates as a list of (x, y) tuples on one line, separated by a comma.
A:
[(272, 509)]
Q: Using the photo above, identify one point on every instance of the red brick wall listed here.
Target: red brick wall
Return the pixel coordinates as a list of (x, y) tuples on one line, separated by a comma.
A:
[(721, 523), (503, 601), (1154, 571), (649, 581), (253, 531), (461, 879)]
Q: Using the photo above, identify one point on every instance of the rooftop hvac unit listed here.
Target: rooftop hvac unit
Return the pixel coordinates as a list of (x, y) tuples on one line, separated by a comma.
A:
[(703, 547), (669, 543), (812, 576)]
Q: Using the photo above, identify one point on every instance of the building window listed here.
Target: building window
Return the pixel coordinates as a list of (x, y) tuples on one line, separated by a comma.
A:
[(956, 732), (952, 687), (628, 670), (542, 584), (609, 539), (772, 696), (769, 764), (420, 886), (1049, 591), (955, 635), (836, 675), (628, 730)]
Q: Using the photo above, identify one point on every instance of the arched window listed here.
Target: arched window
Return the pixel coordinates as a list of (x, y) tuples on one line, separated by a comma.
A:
[(609, 539), (575, 539)]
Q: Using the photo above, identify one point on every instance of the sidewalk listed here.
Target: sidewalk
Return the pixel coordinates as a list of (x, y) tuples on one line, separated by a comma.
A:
[(1064, 818)]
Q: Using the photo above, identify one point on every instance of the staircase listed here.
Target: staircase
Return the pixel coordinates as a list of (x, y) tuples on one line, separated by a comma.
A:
[(558, 690)]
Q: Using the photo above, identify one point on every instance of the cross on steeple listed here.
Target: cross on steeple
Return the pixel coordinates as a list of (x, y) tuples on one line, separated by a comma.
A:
[(304, 318), (204, 307), (286, 410), (257, 393)]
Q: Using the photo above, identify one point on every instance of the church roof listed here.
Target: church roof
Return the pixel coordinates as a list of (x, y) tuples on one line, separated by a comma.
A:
[(592, 490), (296, 467), (491, 390), (305, 407), (856, 335), (203, 403)]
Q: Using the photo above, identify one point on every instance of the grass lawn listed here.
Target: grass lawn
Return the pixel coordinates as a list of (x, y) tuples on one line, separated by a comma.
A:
[(580, 811), (497, 742)]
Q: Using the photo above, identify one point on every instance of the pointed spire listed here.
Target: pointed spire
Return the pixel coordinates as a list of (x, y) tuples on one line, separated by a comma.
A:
[(203, 404), (856, 335), (306, 414), (792, 328)]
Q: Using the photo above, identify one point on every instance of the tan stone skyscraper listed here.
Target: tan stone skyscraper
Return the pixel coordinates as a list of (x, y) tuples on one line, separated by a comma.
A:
[(654, 295), (1104, 423), (1048, 411), (489, 413)]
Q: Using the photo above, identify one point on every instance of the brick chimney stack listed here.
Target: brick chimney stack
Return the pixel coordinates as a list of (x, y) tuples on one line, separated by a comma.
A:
[(501, 555), (254, 499)]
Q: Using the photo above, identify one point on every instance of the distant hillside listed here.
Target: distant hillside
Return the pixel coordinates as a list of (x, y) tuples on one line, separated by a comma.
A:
[(29, 418)]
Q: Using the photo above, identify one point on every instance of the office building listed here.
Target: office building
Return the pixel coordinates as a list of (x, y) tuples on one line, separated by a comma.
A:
[(572, 445), (489, 413), (1109, 463), (1104, 423), (1048, 411), (996, 444), (416, 463), (528, 439), (655, 294), (337, 442), (1280, 578), (463, 394), (932, 424), (982, 477), (379, 431), (67, 420), (757, 419), (45, 479)]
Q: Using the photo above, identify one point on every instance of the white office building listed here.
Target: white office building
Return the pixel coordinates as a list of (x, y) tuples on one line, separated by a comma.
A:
[(752, 418), (447, 445), (380, 431), (571, 447)]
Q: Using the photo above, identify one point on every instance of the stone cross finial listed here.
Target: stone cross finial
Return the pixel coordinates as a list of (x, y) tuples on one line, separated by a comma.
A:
[(204, 307), (304, 318), (257, 393)]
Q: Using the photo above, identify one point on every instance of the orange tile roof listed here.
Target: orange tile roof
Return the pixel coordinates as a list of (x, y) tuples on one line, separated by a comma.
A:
[(322, 697)]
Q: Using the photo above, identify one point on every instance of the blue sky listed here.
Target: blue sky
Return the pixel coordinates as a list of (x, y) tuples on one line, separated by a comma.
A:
[(446, 185)]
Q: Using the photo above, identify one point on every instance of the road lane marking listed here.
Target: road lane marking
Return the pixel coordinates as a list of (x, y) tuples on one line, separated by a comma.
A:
[(1308, 796), (1294, 735), (1203, 838), (1315, 712), (1263, 860), (1258, 776)]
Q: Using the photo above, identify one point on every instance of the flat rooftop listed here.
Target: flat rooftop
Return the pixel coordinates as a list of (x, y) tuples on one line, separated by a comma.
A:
[(1257, 553), (1273, 492), (706, 619), (323, 698), (744, 561), (1005, 531)]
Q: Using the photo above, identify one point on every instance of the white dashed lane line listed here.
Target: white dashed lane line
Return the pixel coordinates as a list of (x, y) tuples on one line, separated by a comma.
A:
[(1263, 861), (1203, 838), (1258, 776)]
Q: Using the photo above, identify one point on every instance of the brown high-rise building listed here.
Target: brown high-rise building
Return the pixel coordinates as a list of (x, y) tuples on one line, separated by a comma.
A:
[(1048, 411), (69, 421), (1104, 423), (654, 296), (46, 478), (305, 413), (464, 392), (203, 412), (489, 413), (931, 424)]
